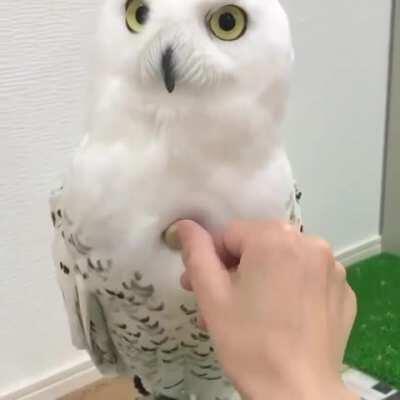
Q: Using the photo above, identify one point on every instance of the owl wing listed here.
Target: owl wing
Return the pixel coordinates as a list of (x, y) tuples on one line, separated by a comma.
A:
[(293, 208), (86, 319)]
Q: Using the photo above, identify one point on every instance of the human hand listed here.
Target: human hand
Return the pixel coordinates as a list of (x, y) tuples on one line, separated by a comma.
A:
[(280, 320)]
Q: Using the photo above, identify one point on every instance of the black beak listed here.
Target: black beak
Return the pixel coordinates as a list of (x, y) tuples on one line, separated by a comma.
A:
[(168, 71)]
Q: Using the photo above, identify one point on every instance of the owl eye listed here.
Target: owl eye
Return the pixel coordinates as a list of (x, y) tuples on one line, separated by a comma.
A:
[(137, 13), (228, 23)]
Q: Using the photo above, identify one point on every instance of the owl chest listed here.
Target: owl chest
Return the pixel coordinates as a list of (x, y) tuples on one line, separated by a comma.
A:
[(140, 195)]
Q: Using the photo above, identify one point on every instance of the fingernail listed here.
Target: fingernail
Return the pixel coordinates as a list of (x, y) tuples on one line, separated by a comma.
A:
[(171, 238)]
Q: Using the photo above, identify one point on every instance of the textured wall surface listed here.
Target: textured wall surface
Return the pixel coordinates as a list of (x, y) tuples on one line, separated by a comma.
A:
[(336, 121), (42, 78), (334, 129)]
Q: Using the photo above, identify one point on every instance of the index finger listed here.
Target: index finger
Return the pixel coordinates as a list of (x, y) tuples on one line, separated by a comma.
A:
[(241, 233)]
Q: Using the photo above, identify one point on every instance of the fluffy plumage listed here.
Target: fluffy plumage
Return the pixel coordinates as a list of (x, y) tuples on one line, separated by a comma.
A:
[(209, 151)]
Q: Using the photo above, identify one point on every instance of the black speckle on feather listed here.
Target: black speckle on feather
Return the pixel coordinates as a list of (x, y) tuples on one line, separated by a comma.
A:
[(208, 366), (132, 300), (213, 378), (198, 375), (159, 307), (142, 291), (72, 241), (148, 349), (53, 218), (64, 268), (201, 354), (172, 386), (153, 326), (139, 386), (129, 340), (170, 351), (138, 276), (90, 264), (189, 346), (186, 310), (160, 342), (203, 336), (100, 267)]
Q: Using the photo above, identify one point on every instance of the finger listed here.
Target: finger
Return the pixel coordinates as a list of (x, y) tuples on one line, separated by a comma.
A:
[(229, 260), (208, 275), (201, 323), (240, 233), (352, 305), (171, 238), (185, 282), (340, 273), (237, 236)]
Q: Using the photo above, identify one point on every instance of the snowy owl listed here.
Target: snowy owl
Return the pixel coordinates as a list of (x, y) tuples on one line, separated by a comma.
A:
[(186, 102)]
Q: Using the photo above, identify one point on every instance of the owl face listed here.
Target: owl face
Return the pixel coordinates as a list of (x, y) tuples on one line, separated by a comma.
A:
[(194, 47)]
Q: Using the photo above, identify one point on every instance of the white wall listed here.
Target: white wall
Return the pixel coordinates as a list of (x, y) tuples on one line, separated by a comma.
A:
[(336, 119), (335, 137)]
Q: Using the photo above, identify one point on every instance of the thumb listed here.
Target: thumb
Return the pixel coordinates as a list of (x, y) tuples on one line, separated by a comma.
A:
[(208, 275)]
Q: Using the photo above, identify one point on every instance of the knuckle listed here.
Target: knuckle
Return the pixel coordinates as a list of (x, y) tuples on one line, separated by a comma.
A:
[(280, 225), (324, 249), (188, 258), (288, 228), (351, 294), (340, 271), (352, 300)]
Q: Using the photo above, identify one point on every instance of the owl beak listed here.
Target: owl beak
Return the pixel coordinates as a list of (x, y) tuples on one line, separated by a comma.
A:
[(168, 70)]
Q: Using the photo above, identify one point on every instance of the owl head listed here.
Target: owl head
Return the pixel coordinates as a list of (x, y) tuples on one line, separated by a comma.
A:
[(195, 48)]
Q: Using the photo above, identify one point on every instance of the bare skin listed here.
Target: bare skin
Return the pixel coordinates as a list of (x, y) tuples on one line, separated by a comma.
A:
[(276, 305)]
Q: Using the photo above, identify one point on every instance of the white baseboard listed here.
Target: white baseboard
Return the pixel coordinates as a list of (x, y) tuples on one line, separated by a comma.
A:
[(58, 384), (84, 373), (360, 251)]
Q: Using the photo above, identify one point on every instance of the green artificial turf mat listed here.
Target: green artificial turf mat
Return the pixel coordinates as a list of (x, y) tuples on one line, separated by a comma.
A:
[(374, 345)]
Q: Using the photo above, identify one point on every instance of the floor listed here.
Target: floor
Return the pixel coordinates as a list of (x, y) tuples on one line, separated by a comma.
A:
[(107, 389), (374, 345)]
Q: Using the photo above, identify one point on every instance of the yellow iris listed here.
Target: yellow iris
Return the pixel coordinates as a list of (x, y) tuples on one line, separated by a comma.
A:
[(228, 23), (136, 15)]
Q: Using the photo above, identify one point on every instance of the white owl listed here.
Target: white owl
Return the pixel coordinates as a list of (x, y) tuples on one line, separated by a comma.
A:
[(187, 98)]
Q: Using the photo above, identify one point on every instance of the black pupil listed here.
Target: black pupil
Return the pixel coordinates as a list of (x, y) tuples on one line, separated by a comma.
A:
[(227, 21), (141, 14)]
